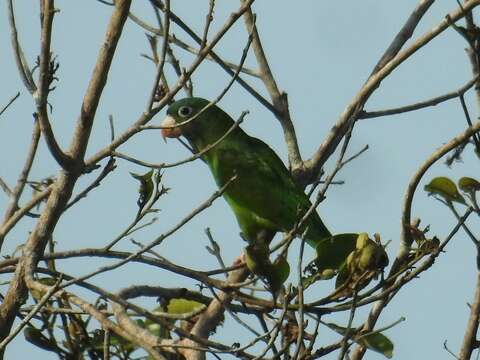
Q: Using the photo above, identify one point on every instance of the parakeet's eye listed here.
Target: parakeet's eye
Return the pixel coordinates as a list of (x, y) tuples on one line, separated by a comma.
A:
[(185, 111)]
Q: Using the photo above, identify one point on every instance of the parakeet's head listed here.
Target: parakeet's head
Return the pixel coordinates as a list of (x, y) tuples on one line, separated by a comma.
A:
[(207, 127)]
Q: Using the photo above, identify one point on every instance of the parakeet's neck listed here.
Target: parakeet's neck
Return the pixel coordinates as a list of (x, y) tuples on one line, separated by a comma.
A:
[(201, 143)]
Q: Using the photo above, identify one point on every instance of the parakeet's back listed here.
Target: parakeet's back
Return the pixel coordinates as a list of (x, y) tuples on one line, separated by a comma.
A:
[(263, 195)]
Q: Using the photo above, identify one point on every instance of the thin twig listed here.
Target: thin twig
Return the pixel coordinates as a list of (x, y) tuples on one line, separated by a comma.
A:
[(351, 112), (10, 102), (44, 79), (406, 237), (422, 104), (106, 344), (245, 6), (190, 49), (162, 57), (347, 335), (22, 179), (6, 189), (300, 299), (445, 346), (144, 118), (472, 237), (17, 215), (65, 182), (208, 22), (194, 157), (206, 204), (469, 121), (279, 99), (108, 168), (404, 34), (31, 314), (22, 65), (215, 249)]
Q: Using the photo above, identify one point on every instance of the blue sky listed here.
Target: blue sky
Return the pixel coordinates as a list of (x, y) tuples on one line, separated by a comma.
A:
[(320, 53)]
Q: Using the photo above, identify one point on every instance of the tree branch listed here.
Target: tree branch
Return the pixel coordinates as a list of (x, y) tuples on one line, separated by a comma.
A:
[(22, 65), (420, 105), (404, 34), (22, 179), (351, 112), (44, 80), (10, 102), (470, 341), (63, 186), (279, 99)]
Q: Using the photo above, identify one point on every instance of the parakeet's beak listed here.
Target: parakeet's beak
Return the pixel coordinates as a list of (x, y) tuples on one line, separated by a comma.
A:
[(170, 131)]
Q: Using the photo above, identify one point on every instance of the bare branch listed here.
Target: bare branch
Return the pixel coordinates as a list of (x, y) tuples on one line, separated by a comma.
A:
[(109, 167), (140, 336), (22, 179), (279, 100), (98, 81), (420, 105), (162, 57), (349, 115), (404, 34), (31, 314), (17, 215), (6, 189), (146, 117), (44, 80), (210, 319), (208, 22), (160, 238), (476, 141), (190, 49), (470, 341), (245, 5), (22, 65), (189, 159), (406, 238), (10, 102), (63, 187)]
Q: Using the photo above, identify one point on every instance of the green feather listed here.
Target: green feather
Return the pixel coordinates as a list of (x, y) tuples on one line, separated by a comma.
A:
[(264, 196)]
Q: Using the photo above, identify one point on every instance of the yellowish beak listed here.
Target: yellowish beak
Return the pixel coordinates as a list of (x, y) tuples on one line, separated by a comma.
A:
[(171, 129)]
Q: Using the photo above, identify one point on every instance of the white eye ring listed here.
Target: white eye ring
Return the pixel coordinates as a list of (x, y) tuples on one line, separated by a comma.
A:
[(185, 111)]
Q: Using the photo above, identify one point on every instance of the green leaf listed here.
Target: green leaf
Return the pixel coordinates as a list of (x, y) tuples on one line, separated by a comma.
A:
[(375, 341), (446, 188), (362, 264), (183, 306), (326, 274), (146, 188), (156, 328), (35, 337), (282, 269), (153, 327), (333, 251), (468, 184), (279, 273), (98, 337)]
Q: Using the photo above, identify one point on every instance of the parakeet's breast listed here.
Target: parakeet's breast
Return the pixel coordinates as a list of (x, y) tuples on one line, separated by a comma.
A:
[(262, 195), (246, 194)]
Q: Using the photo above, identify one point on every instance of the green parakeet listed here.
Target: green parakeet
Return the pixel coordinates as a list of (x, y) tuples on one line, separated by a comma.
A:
[(264, 196)]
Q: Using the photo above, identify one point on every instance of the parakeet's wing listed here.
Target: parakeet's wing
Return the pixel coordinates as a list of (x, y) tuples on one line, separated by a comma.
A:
[(264, 193)]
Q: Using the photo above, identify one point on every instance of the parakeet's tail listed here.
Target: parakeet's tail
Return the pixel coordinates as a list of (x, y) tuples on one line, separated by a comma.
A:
[(316, 231)]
